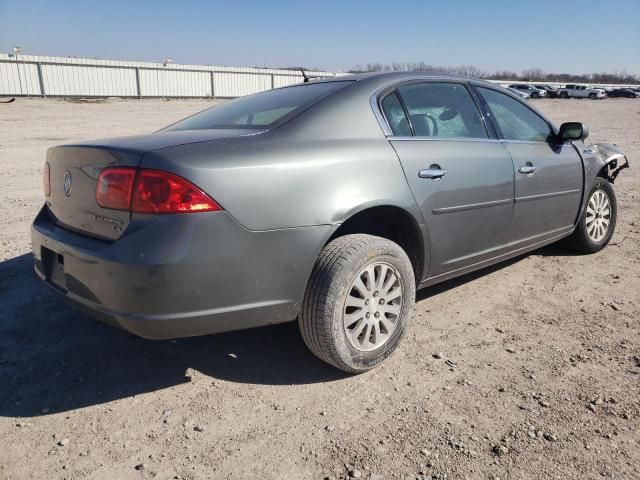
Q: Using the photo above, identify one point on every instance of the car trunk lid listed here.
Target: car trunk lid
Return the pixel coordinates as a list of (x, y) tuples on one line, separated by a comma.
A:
[(74, 172)]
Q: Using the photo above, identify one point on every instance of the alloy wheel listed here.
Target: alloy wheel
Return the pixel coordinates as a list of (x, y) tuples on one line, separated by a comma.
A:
[(598, 216), (372, 309)]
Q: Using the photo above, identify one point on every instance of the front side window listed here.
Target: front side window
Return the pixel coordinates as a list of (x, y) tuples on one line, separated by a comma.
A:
[(515, 120), (261, 110), (442, 110)]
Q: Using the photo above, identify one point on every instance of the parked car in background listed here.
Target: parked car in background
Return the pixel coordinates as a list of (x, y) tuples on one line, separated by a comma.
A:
[(552, 92), (581, 91), (534, 92), (623, 92), (329, 201), (521, 93)]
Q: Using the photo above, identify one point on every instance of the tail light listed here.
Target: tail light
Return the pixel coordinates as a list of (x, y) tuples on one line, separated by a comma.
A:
[(46, 179), (161, 192), (150, 191), (114, 187)]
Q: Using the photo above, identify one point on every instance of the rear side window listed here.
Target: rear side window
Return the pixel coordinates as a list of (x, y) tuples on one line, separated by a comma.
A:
[(394, 113), (515, 120), (442, 110), (261, 110)]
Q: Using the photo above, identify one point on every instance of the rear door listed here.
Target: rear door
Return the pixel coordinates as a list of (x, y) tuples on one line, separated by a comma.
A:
[(548, 174), (461, 179)]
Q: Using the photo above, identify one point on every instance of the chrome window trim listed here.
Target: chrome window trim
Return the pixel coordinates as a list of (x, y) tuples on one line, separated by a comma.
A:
[(401, 138), (535, 142)]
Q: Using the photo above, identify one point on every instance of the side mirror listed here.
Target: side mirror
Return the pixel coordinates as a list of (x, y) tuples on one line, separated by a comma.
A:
[(573, 131)]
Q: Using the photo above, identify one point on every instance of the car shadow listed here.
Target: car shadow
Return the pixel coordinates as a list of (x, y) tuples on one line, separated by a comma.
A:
[(552, 250), (55, 359)]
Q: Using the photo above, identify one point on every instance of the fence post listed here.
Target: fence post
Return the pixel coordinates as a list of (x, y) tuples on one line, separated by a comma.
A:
[(41, 79), (213, 91), (273, 82), (138, 82)]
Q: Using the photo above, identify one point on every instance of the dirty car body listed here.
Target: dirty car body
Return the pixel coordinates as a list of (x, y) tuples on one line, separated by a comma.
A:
[(448, 182)]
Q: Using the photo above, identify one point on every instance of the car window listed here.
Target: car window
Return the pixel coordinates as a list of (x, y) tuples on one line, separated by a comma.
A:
[(442, 110), (394, 113), (516, 121), (261, 109), (266, 117)]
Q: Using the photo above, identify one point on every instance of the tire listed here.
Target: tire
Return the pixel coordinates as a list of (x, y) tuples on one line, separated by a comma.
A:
[(324, 315), (581, 239), (564, 95), (593, 96)]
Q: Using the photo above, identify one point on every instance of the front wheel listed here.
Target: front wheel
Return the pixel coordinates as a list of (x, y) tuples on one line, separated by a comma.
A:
[(598, 221), (358, 302), (564, 95)]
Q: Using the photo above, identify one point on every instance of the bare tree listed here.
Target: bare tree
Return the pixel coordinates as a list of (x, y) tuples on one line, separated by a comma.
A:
[(534, 74)]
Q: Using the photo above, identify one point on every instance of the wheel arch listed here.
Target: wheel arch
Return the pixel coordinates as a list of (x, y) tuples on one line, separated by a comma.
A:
[(394, 223)]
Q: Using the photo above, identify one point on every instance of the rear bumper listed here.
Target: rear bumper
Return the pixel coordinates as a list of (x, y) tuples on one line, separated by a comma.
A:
[(180, 275)]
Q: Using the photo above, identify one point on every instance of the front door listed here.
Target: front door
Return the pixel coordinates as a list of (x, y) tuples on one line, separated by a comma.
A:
[(461, 179), (548, 174)]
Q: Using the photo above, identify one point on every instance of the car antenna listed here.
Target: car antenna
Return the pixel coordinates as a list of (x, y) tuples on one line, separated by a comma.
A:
[(308, 78)]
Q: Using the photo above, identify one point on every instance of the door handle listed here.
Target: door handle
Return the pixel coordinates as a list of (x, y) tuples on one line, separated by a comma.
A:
[(434, 172), (527, 169)]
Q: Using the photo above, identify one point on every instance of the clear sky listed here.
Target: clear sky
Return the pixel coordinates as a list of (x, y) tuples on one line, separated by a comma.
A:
[(574, 36)]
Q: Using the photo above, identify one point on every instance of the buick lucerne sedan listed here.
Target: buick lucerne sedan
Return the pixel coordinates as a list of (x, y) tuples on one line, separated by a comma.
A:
[(329, 202)]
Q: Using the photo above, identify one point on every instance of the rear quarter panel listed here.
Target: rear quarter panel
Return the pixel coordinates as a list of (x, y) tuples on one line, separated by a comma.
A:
[(269, 183), (319, 168)]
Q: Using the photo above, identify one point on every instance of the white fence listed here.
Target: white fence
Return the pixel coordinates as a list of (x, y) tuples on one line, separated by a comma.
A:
[(29, 75)]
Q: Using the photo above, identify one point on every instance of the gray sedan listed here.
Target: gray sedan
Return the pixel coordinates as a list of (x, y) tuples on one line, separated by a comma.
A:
[(330, 202)]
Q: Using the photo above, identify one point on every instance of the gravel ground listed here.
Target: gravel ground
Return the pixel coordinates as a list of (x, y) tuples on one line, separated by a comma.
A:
[(527, 370)]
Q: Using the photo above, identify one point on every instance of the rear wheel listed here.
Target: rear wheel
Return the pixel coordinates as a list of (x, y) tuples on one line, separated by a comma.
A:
[(358, 302), (598, 221)]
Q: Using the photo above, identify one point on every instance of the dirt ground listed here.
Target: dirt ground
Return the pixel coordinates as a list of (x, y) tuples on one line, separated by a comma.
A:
[(539, 375)]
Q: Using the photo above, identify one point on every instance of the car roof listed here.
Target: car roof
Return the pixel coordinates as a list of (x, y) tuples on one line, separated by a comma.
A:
[(393, 75), (379, 79)]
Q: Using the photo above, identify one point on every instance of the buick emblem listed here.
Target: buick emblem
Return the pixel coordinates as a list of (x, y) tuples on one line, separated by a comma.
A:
[(67, 183)]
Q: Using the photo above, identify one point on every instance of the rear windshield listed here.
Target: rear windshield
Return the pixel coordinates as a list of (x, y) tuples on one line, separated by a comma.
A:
[(261, 110)]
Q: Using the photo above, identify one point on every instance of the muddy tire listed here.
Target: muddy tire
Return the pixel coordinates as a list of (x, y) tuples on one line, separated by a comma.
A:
[(598, 220), (358, 302)]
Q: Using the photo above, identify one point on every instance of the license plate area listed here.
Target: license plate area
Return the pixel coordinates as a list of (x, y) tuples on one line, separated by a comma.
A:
[(53, 264)]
